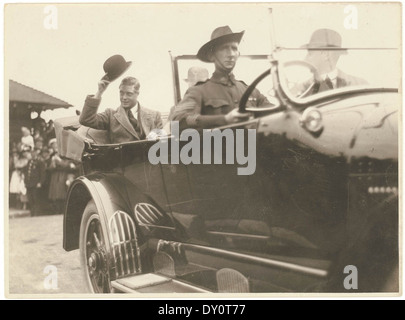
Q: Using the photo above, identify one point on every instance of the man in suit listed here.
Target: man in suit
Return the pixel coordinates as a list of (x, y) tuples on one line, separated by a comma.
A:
[(129, 122), (34, 177), (324, 51), (214, 102)]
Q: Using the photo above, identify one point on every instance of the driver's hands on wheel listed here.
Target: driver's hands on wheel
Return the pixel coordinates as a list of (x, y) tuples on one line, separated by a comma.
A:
[(235, 116)]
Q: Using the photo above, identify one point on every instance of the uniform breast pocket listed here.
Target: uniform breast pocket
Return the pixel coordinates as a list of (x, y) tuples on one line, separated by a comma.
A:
[(216, 106)]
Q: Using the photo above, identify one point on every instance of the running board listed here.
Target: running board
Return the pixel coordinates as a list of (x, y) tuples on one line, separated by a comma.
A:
[(153, 283)]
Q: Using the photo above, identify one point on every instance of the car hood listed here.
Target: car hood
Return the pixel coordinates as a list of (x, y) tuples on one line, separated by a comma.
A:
[(355, 126)]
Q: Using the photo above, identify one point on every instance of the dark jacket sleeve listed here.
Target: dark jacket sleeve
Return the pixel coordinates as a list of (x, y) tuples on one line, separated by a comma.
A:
[(89, 116), (188, 112), (261, 100)]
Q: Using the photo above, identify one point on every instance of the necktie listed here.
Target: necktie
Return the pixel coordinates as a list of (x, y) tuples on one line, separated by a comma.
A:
[(134, 123), (329, 82), (231, 79), (132, 119)]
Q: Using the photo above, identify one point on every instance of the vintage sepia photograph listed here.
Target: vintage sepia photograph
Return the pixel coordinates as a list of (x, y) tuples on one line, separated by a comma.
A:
[(202, 149)]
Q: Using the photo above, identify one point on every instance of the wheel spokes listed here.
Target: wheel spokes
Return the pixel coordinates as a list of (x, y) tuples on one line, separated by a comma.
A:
[(95, 250), (98, 244)]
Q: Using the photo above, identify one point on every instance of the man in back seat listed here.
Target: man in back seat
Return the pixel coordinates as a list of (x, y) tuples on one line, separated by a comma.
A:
[(129, 122)]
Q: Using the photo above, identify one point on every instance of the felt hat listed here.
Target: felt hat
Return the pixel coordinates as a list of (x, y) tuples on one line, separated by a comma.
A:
[(196, 74), (324, 39), (114, 67), (219, 36)]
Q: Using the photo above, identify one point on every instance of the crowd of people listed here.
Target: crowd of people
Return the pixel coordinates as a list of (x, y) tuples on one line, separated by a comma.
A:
[(38, 176)]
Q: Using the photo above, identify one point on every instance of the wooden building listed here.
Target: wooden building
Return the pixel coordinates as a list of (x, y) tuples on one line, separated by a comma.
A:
[(23, 100)]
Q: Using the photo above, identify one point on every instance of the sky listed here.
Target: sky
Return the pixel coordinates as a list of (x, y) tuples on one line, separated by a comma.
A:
[(66, 62)]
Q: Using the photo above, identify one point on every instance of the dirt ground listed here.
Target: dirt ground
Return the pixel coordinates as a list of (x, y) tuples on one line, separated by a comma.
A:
[(37, 262)]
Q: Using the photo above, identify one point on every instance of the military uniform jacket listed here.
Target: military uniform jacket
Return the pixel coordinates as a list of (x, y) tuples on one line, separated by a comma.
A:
[(206, 104), (117, 122)]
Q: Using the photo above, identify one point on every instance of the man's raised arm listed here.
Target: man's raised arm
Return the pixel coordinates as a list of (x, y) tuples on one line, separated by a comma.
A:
[(89, 116)]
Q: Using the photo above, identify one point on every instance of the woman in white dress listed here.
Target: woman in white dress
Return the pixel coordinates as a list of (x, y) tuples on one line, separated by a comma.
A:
[(17, 186)]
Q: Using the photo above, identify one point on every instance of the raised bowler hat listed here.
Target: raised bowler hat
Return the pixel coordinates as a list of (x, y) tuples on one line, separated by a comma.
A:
[(114, 67)]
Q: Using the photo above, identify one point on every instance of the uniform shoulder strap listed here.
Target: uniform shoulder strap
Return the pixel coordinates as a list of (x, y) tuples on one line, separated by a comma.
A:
[(243, 82), (201, 82)]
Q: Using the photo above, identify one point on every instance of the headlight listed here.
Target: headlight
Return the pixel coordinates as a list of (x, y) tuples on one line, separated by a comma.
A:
[(311, 120)]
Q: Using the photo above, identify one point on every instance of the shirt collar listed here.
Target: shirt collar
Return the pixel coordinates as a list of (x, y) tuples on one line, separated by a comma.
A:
[(223, 77), (134, 109), (331, 75)]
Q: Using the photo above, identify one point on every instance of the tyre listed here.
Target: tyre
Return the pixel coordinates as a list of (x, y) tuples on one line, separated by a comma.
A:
[(93, 253)]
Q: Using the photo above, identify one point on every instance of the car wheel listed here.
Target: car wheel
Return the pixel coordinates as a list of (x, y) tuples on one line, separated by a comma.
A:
[(93, 255)]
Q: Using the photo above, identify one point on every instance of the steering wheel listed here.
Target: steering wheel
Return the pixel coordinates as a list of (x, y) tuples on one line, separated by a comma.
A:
[(249, 90), (314, 86)]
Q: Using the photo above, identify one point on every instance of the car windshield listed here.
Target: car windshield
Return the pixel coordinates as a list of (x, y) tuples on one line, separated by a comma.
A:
[(310, 72)]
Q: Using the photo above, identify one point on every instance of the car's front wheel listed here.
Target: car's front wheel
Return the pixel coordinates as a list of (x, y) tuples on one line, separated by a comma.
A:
[(93, 253)]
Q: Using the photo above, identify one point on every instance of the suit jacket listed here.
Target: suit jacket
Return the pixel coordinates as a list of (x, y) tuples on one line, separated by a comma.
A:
[(342, 80), (34, 173), (116, 121), (345, 80)]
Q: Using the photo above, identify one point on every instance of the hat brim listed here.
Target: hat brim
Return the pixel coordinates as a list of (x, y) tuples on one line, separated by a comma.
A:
[(206, 50), (313, 47), (112, 77)]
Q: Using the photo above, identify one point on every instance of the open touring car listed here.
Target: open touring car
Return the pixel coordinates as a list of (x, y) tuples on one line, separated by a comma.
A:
[(321, 206)]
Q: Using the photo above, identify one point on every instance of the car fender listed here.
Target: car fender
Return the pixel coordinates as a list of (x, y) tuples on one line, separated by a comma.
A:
[(110, 193)]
